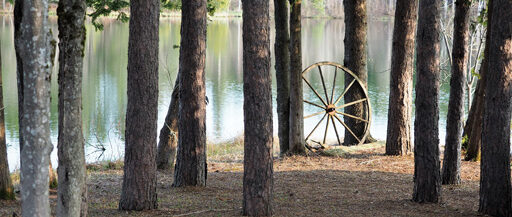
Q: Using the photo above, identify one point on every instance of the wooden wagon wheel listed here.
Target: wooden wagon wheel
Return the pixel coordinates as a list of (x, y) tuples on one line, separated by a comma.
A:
[(330, 103)]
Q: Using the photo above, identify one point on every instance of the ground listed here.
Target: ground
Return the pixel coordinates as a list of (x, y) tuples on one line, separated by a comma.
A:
[(352, 181)]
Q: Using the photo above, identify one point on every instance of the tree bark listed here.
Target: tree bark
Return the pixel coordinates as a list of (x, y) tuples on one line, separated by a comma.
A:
[(427, 175), (258, 166), (296, 135), (355, 60), (33, 48), (282, 54), (6, 188), (139, 180), (455, 119), (72, 191), (495, 185), (398, 141), (191, 159), (168, 142)]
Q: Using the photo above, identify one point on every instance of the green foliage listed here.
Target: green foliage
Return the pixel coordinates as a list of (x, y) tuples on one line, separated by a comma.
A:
[(319, 5), (215, 5), (171, 4), (105, 8)]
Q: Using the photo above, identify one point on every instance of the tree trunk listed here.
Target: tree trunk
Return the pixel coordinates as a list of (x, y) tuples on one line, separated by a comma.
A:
[(168, 142), (139, 180), (455, 119), (6, 188), (355, 60), (296, 135), (72, 190), (282, 54), (427, 175), (495, 186), (191, 159), (258, 166), (398, 141), (33, 50)]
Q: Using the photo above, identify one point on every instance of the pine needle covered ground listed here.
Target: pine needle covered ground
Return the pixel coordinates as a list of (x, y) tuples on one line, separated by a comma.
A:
[(352, 181)]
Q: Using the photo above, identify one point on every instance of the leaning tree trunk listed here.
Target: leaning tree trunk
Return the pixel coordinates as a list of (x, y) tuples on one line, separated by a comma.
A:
[(296, 135), (355, 59), (495, 186), (282, 54), (72, 190), (427, 175), (33, 51), (139, 180), (168, 139), (6, 188), (398, 140), (455, 119), (191, 159), (258, 166)]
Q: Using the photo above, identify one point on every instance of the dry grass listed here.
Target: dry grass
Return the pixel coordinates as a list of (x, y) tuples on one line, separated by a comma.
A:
[(352, 181)]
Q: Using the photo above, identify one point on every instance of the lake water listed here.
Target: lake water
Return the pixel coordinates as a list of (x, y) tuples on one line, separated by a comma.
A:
[(104, 80)]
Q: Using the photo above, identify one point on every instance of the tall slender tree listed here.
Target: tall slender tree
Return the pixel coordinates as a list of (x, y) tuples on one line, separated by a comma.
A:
[(281, 47), (6, 188), (33, 51), (296, 134), (355, 59), (398, 141), (258, 166), (139, 180), (427, 175), (455, 119), (495, 185), (191, 158), (168, 139), (72, 191)]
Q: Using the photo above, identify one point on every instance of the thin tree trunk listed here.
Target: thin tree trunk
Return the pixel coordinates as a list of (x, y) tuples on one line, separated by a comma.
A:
[(282, 54), (398, 140), (495, 186), (6, 188), (455, 119), (355, 59), (258, 165), (72, 191), (32, 43), (296, 135), (139, 180), (168, 142), (427, 175), (191, 167)]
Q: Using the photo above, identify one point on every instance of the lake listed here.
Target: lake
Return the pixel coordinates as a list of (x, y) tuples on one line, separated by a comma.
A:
[(104, 80)]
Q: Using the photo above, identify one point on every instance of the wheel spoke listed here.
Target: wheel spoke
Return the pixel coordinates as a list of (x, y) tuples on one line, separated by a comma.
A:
[(313, 115), (346, 127), (345, 91), (351, 116), (335, 130), (316, 126), (323, 83), (318, 95), (326, 128), (333, 83), (312, 103), (351, 103)]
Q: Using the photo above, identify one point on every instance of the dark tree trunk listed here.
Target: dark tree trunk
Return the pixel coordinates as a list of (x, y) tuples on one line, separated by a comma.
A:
[(258, 166), (168, 142), (427, 175), (72, 191), (495, 186), (33, 48), (355, 59), (139, 180), (455, 119), (398, 141), (296, 135), (191, 159), (6, 188), (282, 66)]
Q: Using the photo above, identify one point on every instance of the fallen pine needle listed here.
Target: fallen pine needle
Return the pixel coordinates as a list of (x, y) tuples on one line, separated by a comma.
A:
[(203, 211)]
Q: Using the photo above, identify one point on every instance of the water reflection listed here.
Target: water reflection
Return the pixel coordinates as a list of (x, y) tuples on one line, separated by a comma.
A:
[(104, 90)]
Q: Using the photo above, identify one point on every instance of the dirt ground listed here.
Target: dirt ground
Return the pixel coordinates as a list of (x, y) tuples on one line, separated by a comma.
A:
[(352, 182)]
